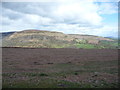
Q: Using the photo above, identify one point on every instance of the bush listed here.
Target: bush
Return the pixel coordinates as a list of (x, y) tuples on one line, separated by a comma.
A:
[(43, 74)]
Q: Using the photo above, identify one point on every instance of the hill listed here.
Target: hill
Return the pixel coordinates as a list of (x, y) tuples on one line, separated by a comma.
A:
[(2, 35), (52, 39)]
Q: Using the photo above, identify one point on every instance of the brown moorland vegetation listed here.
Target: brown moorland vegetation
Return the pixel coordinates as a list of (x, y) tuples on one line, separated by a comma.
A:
[(59, 68)]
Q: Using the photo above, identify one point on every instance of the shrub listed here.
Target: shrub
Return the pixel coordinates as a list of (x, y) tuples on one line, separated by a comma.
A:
[(43, 74)]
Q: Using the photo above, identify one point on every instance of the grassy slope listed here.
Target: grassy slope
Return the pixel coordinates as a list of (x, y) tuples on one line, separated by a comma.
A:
[(46, 39)]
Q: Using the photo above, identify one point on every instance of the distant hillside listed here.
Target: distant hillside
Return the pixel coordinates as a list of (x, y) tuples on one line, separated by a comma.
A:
[(2, 35), (51, 39)]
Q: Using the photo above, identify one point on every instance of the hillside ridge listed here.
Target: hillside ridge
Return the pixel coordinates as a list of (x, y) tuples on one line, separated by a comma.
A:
[(53, 39)]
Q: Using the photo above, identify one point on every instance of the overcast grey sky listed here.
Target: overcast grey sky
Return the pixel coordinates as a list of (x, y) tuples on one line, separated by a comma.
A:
[(67, 16)]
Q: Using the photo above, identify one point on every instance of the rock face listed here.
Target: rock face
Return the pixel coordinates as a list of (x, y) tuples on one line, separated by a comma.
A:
[(50, 39)]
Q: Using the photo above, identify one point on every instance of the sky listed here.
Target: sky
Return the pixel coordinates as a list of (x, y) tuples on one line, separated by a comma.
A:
[(93, 17)]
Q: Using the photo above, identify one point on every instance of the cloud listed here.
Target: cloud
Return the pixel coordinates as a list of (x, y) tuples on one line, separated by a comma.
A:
[(106, 31), (108, 8), (68, 16), (106, 0), (36, 19), (78, 13), (57, 0)]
